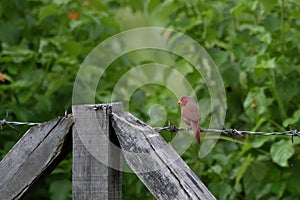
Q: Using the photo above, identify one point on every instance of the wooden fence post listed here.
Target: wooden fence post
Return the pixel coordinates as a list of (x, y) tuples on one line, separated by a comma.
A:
[(96, 157), (155, 162), (36, 154)]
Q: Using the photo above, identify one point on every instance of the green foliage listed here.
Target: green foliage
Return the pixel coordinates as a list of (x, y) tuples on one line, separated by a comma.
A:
[(281, 151), (255, 45)]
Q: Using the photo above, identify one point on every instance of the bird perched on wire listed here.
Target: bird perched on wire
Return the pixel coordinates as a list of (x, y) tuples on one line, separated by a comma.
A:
[(190, 114)]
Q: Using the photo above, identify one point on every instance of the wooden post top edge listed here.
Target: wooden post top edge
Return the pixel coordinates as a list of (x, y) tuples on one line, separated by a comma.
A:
[(98, 105)]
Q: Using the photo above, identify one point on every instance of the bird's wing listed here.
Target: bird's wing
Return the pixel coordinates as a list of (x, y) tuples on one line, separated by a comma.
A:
[(191, 112)]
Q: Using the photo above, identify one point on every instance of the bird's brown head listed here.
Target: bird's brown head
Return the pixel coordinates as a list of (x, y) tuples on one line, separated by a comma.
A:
[(183, 100)]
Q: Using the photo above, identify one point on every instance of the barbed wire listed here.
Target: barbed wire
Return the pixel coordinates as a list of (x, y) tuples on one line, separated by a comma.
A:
[(231, 132), (11, 123), (5, 122), (174, 129)]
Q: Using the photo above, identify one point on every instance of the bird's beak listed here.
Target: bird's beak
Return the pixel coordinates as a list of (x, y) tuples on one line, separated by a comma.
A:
[(179, 102)]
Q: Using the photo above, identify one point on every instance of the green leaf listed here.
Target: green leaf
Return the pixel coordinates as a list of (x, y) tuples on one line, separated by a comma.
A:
[(250, 184), (72, 47), (56, 85), (267, 64), (238, 9), (241, 171), (19, 54), (268, 4), (259, 141), (272, 22), (217, 169), (12, 31), (221, 190), (47, 11), (263, 191), (278, 188), (265, 37), (256, 103), (281, 151), (44, 104), (152, 5), (259, 175), (293, 179), (24, 95), (292, 120)]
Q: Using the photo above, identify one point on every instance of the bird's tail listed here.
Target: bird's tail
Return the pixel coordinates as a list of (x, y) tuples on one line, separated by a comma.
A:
[(196, 129)]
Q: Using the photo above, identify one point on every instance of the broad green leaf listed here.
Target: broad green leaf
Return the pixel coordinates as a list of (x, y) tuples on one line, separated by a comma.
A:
[(152, 5), (230, 75), (12, 31), (267, 64), (19, 54), (260, 174), (217, 169), (20, 83), (24, 95), (72, 47), (293, 178), (256, 103), (292, 120), (13, 70), (259, 141), (56, 85), (268, 5), (263, 191), (238, 9), (163, 11), (221, 190), (265, 37), (47, 11), (281, 151), (250, 184), (272, 22), (44, 104), (278, 188)]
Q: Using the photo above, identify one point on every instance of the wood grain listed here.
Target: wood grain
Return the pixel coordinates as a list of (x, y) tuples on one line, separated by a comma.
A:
[(155, 162), (40, 149), (96, 159)]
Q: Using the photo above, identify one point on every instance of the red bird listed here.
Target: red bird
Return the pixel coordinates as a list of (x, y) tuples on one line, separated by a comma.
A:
[(190, 114)]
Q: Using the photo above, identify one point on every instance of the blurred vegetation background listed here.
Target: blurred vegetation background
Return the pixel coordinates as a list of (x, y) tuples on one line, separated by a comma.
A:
[(255, 45)]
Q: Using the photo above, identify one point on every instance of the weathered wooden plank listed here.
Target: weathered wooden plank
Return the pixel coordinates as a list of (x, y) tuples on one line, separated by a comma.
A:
[(96, 160), (155, 162), (40, 149)]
